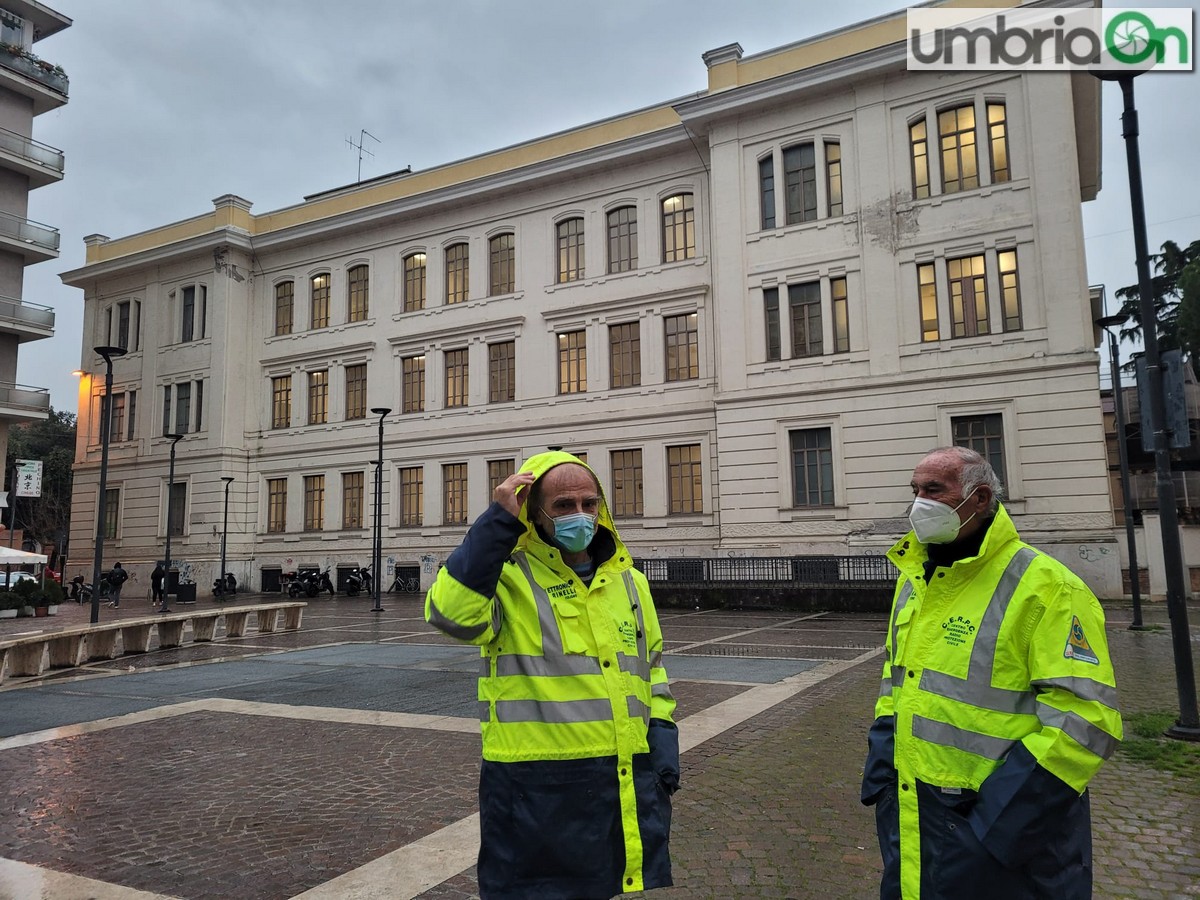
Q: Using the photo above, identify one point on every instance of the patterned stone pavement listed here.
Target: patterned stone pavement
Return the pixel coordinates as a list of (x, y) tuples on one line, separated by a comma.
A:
[(267, 766)]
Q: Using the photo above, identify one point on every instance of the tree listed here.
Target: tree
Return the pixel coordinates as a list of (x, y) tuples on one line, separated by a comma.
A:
[(1175, 286), (53, 442)]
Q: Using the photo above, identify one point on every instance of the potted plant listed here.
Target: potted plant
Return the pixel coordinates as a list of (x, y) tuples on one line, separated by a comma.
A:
[(54, 596), (9, 603), (27, 591)]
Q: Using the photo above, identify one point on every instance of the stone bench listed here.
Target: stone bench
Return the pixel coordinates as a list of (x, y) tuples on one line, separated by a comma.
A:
[(70, 647)]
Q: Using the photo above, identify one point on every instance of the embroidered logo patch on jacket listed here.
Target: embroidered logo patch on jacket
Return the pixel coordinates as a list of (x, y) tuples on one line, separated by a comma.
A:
[(1078, 646)]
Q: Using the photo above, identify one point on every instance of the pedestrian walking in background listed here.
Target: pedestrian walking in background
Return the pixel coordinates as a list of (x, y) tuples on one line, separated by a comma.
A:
[(580, 753), (157, 578), (116, 578), (998, 703)]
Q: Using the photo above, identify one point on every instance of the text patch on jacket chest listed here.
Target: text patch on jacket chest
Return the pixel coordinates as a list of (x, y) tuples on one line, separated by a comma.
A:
[(564, 591), (957, 631), (629, 635)]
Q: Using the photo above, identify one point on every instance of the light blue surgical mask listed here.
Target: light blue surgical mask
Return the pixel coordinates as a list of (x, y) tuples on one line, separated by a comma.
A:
[(574, 532)]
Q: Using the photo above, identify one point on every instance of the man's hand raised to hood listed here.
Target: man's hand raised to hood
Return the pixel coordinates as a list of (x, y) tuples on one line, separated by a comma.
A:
[(512, 492)]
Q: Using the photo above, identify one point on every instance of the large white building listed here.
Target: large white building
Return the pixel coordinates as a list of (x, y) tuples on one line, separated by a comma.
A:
[(752, 309), (29, 86)]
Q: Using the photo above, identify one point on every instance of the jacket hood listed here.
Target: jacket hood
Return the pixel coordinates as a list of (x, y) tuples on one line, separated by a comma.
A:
[(541, 463)]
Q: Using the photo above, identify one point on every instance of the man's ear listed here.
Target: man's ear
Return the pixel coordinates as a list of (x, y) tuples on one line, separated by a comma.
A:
[(984, 493)]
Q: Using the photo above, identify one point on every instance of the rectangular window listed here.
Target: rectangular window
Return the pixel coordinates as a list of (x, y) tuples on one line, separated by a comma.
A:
[(112, 509), (683, 347), (183, 407), (456, 378), (572, 362), (178, 507), (985, 435), (498, 470), (132, 415), (998, 142), (319, 291), (812, 467), (413, 385), (123, 325), (356, 391), (804, 308), (927, 290), (625, 355), (458, 273), (622, 239), (800, 180), (679, 228), (1010, 290), (187, 314), (314, 502), (281, 401), (771, 318), (685, 491), (276, 505), (284, 307), (833, 177), (918, 140), (454, 494), (502, 255), (570, 250), (841, 315), (627, 483), (414, 282), (968, 297), (358, 299), (318, 397), (199, 406), (116, 417), (352, 499), (166, 416), (956, 132), (502, 372), (412, 493), (766, 190)]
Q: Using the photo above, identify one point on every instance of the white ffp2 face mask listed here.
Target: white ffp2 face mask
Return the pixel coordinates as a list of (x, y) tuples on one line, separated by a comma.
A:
[(935, 522)]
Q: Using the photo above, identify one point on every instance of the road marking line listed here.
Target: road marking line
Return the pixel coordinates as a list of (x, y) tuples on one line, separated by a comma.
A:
[(18, 879)]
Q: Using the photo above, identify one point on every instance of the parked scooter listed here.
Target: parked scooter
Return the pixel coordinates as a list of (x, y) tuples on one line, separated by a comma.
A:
[(225, 586), (81, 591), (310, 584), (359, 581)]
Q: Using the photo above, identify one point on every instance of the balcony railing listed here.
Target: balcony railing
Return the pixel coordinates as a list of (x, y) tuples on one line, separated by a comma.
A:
[(29, 232), (30, 314), (21, 396), (38, 69), (1143, 489), (34, 151)]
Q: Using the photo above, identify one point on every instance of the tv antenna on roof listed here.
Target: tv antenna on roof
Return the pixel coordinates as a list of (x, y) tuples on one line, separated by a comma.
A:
[(359, 147)]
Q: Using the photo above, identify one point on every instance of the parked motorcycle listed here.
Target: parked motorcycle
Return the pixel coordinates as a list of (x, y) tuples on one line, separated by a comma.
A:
[(310, 584), (359, 581), (225, 585), (81, 591)]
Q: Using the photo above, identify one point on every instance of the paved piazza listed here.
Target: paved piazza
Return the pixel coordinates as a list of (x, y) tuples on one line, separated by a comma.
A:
[(340, 763)]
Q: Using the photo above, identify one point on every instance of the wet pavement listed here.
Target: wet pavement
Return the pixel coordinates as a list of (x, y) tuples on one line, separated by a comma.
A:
[(341, 761)]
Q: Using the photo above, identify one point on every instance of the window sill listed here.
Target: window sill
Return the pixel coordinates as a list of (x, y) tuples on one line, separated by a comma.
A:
[(813, 513), (640, 272)]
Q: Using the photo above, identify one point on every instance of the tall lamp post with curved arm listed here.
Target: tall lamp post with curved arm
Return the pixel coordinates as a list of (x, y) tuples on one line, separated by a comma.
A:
[(175, 439), (377, 543), (108, 354), (228, 479)]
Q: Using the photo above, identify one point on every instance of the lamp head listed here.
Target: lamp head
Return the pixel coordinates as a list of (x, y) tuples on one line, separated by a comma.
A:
[(110, 353), (380, 410), (1112, 321), (174, 438), (227, 479)]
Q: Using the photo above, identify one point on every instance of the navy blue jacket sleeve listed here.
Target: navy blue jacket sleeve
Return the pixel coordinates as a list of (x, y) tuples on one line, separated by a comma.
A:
[(663, 738), (880, 768), (479, 560)]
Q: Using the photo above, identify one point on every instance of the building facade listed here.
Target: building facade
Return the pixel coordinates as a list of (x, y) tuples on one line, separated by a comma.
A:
[(752, 310), (29, 86)]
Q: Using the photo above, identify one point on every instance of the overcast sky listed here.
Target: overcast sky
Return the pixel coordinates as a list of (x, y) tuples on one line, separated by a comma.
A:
[(175, 103)]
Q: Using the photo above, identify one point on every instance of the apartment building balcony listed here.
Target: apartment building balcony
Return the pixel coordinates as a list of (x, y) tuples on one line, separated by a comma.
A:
[(1143, 490), (42, 82), (40, 163), (34, 241), (28, 321), (23, 403)]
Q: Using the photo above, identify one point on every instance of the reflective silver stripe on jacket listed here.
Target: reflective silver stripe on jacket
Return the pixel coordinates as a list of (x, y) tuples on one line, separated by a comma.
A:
[(901, 602), (462, 632), (1083, 688), (636, 602), (1087, 735), (543, 666), (893, 683), (638, 709), (976, 689), (961, 738), (634, 666), (551, 639), (557, 711)]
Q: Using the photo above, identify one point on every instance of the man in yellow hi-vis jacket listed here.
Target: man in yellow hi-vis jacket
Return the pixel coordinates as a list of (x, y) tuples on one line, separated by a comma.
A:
[(998, 703), (580, 754)]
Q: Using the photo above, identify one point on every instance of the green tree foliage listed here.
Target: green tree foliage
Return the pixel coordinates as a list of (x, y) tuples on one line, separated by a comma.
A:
[(1175, 284), (53, 442)]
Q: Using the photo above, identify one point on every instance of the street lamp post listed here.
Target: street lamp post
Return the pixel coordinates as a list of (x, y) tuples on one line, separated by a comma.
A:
[(108, 354), (1135, 589), (1187, 727), (228, 479), (175, 439), (377, 544)]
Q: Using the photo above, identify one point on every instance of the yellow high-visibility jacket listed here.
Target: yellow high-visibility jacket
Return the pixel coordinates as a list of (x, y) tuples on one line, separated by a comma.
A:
[(998, 705), (574, 705)]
